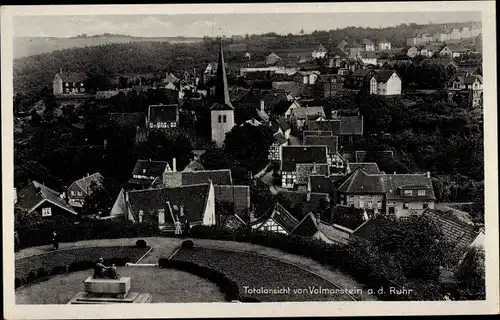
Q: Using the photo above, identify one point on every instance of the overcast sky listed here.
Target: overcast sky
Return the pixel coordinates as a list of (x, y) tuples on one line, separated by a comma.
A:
[(223, 24)]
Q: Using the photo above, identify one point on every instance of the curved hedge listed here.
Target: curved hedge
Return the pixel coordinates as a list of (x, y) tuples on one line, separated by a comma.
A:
[(228, 287)]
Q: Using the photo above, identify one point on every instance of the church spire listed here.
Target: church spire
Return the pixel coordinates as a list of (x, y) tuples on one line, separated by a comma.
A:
[(221, 86)]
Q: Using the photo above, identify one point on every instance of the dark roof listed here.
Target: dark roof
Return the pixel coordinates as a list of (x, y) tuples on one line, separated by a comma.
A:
[(162, 113), (307, 227), (368, 167), (331, 142), (33, 194), (456, 47), (395, 182), (307, 112), (333, 126), (237, 93), (366, 41), (223, 101), (372, 227), (218, 177), (136, 119), (85, 182), (361, 73), (300, 198), (351, 125), (279, 138), (384, 75), (150, 168), (281, 107), (360, 182), (321, 184), (306, 133), (221, 106), (304, 170), (455, 231), (152, 200), (72, 77), (238, 194), (291, 155), (330, 78), (280, 215), (283, 124)]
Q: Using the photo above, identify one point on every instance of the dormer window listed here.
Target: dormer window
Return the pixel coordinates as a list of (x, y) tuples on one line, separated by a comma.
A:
[(408, 192), (421, 192)]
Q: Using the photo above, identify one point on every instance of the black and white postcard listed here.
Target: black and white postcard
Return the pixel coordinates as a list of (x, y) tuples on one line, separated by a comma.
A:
[(214, 160)]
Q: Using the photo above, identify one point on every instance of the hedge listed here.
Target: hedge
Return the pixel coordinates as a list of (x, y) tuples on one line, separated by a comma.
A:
[(141, 243), (41, 274), (228, 287)]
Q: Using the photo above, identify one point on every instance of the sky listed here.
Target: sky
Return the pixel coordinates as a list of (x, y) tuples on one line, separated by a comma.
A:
[(199, 25)]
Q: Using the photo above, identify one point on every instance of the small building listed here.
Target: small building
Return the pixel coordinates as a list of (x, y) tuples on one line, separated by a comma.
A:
[(164, 206), (472, 84), (301, 116), (41, 201), (272, 59), (431, 49), (362, 77), (84, 187), (283, 109), (305, 77), (279, 125), (453, 50), (320, 52), (335, 160), (68, 83), (146, 171), (329, 85), (275, 219), (311, 226), (413, 51), (385, 83), (384, 45), (163, 116), (275, 148), (291, 156), (368, 45)]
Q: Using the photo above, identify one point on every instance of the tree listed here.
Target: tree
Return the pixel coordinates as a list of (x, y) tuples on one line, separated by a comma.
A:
[(249, 145), (471, 275)]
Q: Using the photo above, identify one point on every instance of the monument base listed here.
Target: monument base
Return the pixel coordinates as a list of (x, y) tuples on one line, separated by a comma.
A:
[(132, 297)]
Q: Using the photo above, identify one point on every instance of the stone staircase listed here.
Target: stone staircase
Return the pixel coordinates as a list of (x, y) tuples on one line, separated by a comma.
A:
[(132, 297)]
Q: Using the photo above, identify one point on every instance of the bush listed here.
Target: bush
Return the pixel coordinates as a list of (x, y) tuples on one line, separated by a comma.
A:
[(59, 270), (31, 277), (42, 273), (18, 282), (80, 265), (188, 244), (226, 285), (141, 243)]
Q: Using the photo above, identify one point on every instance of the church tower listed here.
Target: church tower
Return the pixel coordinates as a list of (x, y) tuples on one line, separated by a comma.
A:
[(221, 111)]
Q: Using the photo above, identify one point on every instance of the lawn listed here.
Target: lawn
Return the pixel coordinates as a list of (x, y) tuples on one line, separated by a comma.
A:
[(66, 257), (165, 285), (259, 272)]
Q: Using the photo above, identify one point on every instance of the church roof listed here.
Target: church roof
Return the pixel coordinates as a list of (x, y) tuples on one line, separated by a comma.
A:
[(222, 98)]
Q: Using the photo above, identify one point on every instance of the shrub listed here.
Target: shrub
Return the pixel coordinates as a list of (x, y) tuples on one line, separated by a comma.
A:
[(42, 273), (226, 285), (59, 270), (18, 282), (187, 244), (80, 265), (141, 243), (31, 277)]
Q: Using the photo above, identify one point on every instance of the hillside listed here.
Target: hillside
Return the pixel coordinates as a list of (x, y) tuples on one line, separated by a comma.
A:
[(27, 46)]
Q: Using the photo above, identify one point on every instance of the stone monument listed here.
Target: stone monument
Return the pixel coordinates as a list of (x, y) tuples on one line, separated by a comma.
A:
[(106, 286)]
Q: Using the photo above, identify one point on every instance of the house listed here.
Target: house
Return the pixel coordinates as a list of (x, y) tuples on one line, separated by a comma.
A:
[(369, 58), (311, 226), (39, 200), (279, 125), (82, 188), (348, 128), (163, 116), (68, 83), (455, 34), (164, 206), (304, 170), (453, 50), (368, 167), (359, 189), (275, 219), (368, 45), (413, 51), (408, 194), (135, 121), (431, 49), (362, 77), (299, 117), (442, 36), (272, 59), (221, 111), (194, 165), (418, 40), (283, 109), (305, 77), (384, 45), (328, 85), (146, 171), (468, 83), (320, 52), (385, 83), (225, 190), (354, 48), (291, 156), (275, 148), (334, 160)]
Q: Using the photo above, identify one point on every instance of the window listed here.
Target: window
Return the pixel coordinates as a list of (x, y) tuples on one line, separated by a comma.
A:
[(351, 202), (379, 204), (408, 192), (405, 206), (141, 214), (425, 205), (79, 193), (72, 192), (220, 118), (46, 212), (67, 84), (370, 204), (421, 192), (224, 118)]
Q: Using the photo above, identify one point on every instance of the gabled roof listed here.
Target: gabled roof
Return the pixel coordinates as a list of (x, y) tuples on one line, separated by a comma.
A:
[(30, 197), (455, 47), (360, 182), (170, 77), (307, 227), (321, 184), (366, 41), (194, 165), (331, 142), (282, 107), (132, 120), (218, 177), (351, 125), (454, 230), (150, 168), (372, 227), (272, 58), (303, 113), (292, 155), (472, 78), (384, 75), (237, 93), (321, 48), (85, 182), (395, 182), (333, 126), (280, 215), (283, 124), (368, 167), (162, 113), (72, 77), (170, 200), (361, 73), (304, 170), (280, 138)]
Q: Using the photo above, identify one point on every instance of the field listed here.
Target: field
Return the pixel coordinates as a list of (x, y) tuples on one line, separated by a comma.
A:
[(264, 274), (66, 257), (165, 285)]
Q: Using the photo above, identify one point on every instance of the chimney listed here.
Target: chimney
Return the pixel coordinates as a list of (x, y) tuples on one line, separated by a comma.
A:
[(174, 164), (261, 105), (60, 71), (428, 174), (308, 196), (126, 197), (182, 210)]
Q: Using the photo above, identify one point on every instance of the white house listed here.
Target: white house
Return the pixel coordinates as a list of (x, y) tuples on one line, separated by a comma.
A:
[(384, 45), (320, 52), (386, 83)]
